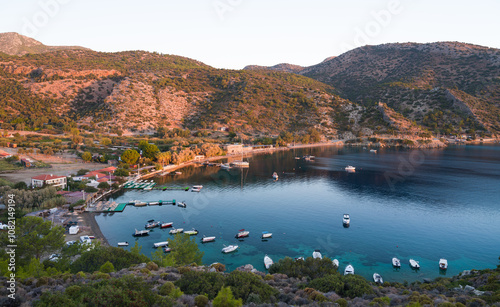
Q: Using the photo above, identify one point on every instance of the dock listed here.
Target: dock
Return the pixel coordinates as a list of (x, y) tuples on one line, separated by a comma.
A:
[(112, 206), (150, 185)]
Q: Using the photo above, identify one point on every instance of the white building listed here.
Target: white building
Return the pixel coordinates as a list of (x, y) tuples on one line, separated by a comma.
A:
[(56, 181)]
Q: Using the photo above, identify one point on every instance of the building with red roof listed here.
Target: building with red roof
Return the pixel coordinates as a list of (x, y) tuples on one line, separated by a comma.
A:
[(56, 181)]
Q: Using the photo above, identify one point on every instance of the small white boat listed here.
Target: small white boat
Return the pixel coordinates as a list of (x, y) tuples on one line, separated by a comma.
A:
[(350, 169), (191, 232), (346, 220), (240, 164), (178, 173), (373, 150), (167, 249), (243, 233), (349, 270), (414, 264), (199, 187), (275, 176), (166, 225), (140, 233), (299, 258), (207, 239), (195, 190), (317, 254), (152, 225), (225, 166), (181, 204), (335, 262), (160, 244), (308, 157), (396, 262), (122, 243), (443, 264), (153, 203), (176, 230), (377, 278), (266, 235), (229, 249), (268, 262)]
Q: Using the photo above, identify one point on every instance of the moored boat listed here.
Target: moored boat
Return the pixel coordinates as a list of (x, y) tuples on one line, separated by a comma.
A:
[(317, 254), (308, 157), (377, 278), (140, 233), (152, 225), (349, 270), (167, 249), (166, 225), (160, 244), (268, 262), (346, 220), (207, 239), (225, 166), (350, 169), (335, 262), (373, 150), (396, 262), (191, 232), (443, 264), (122, 243), (229, 249), (181, 204), (414, 264), (176, 230), (275, 176), (243, 233), (240, 164), (266, 235)]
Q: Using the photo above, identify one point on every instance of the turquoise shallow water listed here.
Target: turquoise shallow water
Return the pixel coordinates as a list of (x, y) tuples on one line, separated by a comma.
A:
[(421, 204)]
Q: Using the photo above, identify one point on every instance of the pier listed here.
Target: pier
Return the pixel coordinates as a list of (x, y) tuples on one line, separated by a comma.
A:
[(112, 206)]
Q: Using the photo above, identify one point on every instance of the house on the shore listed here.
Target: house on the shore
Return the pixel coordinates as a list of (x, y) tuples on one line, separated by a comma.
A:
[(4, 154), (56, 181)]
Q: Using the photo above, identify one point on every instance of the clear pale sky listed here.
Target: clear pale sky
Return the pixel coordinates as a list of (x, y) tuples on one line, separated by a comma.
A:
[(236, 33)]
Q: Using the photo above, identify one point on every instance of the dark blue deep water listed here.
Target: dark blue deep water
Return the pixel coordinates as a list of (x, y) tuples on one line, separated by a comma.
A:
[(421, 204)]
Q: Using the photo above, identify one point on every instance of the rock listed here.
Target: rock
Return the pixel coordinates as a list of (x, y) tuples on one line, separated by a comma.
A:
[(140, 266), (469, 288), (477, 292)]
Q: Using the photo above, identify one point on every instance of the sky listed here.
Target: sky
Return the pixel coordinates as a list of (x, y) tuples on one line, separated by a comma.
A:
[(235, 33)]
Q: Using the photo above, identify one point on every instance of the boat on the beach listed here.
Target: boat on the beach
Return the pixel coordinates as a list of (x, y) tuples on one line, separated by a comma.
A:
[(377, 278), (191, 232), (207, 239), (122, 243), (443, 264), (166, 225), (229, 249), (160, 244), (414, 264), (141, 233), (176, 230), (275, 176), (396, 262), (243, 233), (350, 169), (268, 262), (266, 235), (152, 225), (349, 269), (335, 262), (346, 220), (317, 254)]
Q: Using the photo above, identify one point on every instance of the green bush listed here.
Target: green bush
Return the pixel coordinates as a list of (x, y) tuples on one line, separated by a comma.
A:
[(152, 266), (92, 260), (225, 299), (245, 283), (166, 288), (332, 282), (107, 267), (199, 282), (201, 300), (312, 268)]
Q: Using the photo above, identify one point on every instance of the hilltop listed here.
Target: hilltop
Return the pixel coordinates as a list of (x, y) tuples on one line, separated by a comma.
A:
[(12, 43)]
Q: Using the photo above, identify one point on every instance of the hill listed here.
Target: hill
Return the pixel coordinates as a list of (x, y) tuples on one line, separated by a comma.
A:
[(16, 44)]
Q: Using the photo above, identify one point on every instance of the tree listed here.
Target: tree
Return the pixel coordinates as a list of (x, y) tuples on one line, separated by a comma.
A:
[(103, 185), (105, 141), (225, 299), (121, 172), (130, 156), (150, 151), (37, 238), (87, 156), (163, 157), (184, 250)]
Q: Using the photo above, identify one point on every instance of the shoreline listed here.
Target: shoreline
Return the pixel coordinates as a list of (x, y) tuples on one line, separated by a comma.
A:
[(94, 229)]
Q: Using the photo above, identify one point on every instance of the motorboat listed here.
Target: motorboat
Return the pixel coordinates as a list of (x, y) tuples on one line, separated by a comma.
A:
[(167, 249), (181, 204), (198, 187), (350, 169), (266, 235), (160, 244), (178, 173), (317, 254), (154, 203), (122, 243), (195, 189), (377, 278), (346, 220), (396, 262), (207, 239), (138, 203), (148, 188), (349, 270), (229, 249), (166, 225), (275, 176), (225, 166), (268, 262), (191, 232), (140, 233), (335, 262), (176, 230), (308, 157), (243, 233), (299, 258), (373, 150), (414, 264), (240, 164), (443, 264), (152, 225)]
